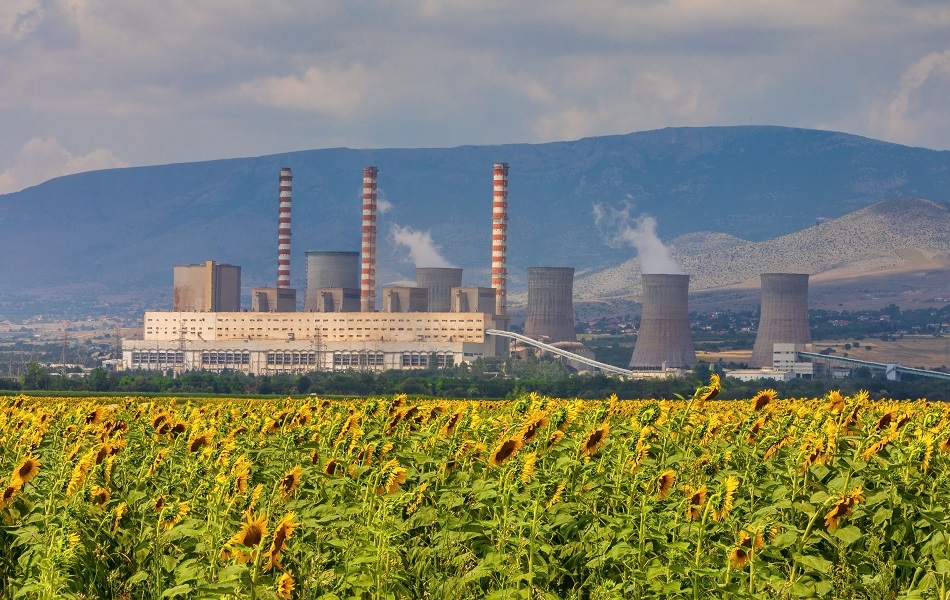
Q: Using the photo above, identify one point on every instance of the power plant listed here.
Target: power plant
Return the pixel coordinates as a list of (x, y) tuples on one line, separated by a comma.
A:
[(783, 318), (439, 281), (664, 340), (332, 274), (436, 322), (551, 304)]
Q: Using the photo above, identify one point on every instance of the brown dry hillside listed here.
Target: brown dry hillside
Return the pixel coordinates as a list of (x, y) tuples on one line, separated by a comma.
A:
[(898, 247)]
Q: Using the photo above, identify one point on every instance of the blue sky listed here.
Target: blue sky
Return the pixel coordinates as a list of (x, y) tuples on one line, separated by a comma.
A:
[(88, 84)]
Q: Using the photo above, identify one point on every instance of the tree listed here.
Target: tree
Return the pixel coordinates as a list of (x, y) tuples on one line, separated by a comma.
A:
[(35, 378)]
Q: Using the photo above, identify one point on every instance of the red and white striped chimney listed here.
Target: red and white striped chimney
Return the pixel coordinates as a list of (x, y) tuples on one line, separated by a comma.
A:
[(499, 238), (368, 268), (283, 229)]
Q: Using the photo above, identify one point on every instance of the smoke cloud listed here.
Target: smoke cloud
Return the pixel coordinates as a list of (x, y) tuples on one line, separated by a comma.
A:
[(619, 229), (422, 250)]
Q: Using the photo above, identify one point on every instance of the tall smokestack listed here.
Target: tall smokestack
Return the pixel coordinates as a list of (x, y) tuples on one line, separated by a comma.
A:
[(551, 304), (664, 324), (783, 318), (283, 229), (499, 238), (368, 270)]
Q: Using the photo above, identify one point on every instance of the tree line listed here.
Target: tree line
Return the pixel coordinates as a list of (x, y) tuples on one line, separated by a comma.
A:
[(483, 378)]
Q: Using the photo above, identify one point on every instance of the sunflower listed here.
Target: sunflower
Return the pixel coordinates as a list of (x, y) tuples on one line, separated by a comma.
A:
[(174, 518), (159, 504), (9, 493), (290, 482), (556, 436), (99, 496), (763, 398), (199, 442), (95, 416), (748, 544), (450, 425), (556, 496), (418, 501), (252, 533), (332, 467), (842, 507), (885, 421), (594, 440), (755, 429), (696, 499), (708, 392), (536, 422), (78, 477), (527, 468), (649, 414), (664, 483), (875, 447), (836, 402), (391, 477), (255, 496), (785, 441), (282, 533), (285, 586), (120, 511), (722, 502), (505, 450), (27, 470), (159, 420), (178, 429)]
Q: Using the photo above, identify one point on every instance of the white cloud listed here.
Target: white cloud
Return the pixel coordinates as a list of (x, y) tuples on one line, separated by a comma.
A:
[(920, 103), (334, 91), (162, 81), (42, 159)]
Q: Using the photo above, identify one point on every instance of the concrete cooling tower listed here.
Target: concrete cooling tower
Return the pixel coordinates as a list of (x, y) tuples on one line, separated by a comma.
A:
[(439, 282), (551, 304), (664, 324), (330, 269), (783, 318)]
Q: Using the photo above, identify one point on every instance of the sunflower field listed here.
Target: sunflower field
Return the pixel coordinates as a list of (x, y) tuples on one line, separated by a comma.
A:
[(141, 498)]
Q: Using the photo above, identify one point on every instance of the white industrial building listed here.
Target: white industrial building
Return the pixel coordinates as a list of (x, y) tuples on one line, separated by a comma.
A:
[(300, 342), (785, 365)]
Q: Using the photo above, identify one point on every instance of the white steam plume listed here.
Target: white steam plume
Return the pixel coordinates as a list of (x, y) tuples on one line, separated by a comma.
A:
[(422, 251), (616, 229)]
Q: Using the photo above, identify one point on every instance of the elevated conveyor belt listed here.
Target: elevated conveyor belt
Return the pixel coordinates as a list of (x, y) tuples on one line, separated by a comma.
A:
[(555, 350), (890, 369)]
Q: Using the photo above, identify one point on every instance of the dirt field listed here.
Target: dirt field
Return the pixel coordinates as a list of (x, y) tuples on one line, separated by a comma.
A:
[(911, 351)]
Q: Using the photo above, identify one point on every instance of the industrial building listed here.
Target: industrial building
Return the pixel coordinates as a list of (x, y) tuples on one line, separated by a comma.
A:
[(783, 318), (439, 281), (333, 281), (437, 323), (209, 286), (346, 323), (664, 340)]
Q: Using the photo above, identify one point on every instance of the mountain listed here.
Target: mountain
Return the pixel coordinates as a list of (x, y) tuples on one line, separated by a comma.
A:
[(110, 238), (896, 250)]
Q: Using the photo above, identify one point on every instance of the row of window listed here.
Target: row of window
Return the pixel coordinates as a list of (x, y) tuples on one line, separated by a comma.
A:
[(225, 358), (154, 357), (414, 359), (291, 358), (357, 359)]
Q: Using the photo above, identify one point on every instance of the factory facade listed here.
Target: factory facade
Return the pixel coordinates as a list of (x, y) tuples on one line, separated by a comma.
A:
[(299, 342)]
